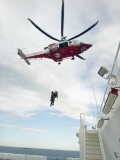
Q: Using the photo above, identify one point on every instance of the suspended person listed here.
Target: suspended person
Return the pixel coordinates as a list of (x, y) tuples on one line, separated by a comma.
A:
[(53, 96), (56, 94)]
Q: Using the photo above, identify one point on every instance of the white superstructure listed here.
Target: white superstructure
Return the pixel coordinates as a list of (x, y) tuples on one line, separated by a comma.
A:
[(103, 142)]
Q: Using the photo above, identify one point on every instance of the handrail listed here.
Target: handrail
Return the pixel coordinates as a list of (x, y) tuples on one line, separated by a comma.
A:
[(101, 145), (100, 113), (84, 144)]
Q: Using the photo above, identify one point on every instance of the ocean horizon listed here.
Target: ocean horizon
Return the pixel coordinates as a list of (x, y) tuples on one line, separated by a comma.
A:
[(40, 152)]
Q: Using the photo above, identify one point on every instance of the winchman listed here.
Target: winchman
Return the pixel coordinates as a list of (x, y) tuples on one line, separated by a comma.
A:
[(53, 96)]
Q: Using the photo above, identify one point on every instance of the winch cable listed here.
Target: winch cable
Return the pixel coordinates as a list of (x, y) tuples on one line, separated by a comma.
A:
[(93, 111), (56, 83), (93, 92)]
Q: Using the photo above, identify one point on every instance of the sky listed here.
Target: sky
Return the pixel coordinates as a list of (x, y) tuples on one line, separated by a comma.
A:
[(26, 118)]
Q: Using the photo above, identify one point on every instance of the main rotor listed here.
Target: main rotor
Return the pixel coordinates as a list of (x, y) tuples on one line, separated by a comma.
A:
[(63, 38)]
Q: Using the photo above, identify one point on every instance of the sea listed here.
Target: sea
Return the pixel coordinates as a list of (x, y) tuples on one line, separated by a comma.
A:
[(50, 153)]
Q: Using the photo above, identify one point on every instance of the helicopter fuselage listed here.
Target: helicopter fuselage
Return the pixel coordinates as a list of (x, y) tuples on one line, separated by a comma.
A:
[(61, 50)]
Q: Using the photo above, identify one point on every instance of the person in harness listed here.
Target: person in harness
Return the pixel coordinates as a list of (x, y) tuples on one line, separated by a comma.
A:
[(53, 96)]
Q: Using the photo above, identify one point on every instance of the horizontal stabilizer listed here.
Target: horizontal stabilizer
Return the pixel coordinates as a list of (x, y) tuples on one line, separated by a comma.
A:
[(21, 54)]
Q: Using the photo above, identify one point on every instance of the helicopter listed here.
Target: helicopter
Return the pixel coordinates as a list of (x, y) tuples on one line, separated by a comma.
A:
[(63, 49)]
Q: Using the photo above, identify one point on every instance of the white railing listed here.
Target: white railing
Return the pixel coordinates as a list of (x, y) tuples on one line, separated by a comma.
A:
[(101, 145), (11, 156)]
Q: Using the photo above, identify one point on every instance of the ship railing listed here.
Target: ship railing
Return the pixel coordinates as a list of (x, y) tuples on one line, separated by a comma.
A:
[(101, 145), (11, 156), (61, 158)]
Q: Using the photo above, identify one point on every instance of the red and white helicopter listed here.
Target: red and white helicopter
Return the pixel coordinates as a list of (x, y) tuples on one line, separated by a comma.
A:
[(63, 49)]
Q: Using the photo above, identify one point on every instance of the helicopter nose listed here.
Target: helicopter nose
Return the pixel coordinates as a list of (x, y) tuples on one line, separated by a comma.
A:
[(89, 45), (85, 46)]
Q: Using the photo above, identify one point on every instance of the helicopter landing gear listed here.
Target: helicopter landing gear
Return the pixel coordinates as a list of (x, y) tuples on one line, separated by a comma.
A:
[(72, 58), (45, 48), (59, 61)]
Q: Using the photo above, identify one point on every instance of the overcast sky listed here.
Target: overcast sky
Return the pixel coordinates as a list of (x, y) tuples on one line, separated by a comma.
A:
[(26, 118)]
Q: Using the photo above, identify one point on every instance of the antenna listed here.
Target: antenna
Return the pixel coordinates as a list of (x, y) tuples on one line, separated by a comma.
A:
[(93, 91)]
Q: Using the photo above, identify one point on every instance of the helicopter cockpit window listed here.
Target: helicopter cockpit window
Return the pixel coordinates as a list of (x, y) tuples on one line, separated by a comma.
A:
[(82, 44), (63, 45)]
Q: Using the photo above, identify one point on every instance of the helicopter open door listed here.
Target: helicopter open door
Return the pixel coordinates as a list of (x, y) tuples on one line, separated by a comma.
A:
[(53, 47)]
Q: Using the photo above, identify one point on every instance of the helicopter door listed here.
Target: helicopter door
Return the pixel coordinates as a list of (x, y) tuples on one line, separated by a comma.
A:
[(54, 48)]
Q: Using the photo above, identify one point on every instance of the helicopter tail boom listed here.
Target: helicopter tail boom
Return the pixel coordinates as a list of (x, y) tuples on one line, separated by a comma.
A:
[(22, 55)]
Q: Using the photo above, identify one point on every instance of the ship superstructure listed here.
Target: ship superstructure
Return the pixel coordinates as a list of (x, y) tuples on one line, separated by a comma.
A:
[(103, 141)]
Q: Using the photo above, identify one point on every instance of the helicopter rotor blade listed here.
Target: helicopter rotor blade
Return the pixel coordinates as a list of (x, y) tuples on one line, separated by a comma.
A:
[(62, 19), (84, 31), (43, 31), (80, 57)]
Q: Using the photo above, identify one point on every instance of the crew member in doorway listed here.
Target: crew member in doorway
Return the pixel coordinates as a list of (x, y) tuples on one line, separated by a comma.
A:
[(53, 96)]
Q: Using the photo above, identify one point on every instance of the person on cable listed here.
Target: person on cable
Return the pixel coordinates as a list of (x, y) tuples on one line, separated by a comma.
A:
[(53, 96)]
